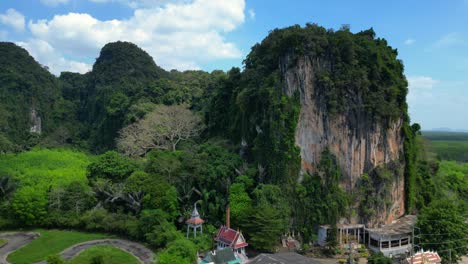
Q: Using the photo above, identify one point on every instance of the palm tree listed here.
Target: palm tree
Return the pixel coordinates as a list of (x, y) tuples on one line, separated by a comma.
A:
[(7, 187)]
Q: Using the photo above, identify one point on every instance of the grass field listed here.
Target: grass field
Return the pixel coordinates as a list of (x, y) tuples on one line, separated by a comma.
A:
[(43, 168), (111, 255), (49, 243), (448, 145), (2, 242)]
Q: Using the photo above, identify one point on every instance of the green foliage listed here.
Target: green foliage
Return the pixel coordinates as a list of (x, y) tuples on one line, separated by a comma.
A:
[(442, 227), (450, 149), (374, 191), (319, 198), (45, 168), (157, 228), (451, 180), (410, 152), (268, 218), (117, 223), (51, 242), (29, 206), (112, 166), (181, 251), (379, 258), (239, 203), (103, 255), (37, 172), (7, 187)]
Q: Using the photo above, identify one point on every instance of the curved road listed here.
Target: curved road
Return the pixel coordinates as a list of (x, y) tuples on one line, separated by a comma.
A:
[(142, 253), (15, 240)]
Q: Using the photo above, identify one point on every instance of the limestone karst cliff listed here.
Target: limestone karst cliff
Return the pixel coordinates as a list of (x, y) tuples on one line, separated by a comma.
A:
[(359, 143), (308, 90)]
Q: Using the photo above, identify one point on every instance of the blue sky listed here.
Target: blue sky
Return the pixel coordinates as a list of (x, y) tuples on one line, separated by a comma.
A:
[(431, 37)]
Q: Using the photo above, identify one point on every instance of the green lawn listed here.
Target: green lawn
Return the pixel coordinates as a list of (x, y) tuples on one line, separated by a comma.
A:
[(2, 242), (111, 255), (50, 242)]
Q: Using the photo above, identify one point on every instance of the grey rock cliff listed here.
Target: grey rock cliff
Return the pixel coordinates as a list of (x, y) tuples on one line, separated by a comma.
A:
[(359, 143)]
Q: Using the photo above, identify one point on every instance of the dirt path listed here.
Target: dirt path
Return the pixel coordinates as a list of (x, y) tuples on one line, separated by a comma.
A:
[(142, 253), (15, 240)]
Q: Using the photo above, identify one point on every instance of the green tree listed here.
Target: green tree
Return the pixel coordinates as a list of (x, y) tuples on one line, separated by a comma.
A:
[(111, 165), (181, 251), (157, 227), (239, 203), (29, 206), (268, 219), (443, 228), (163, 128)]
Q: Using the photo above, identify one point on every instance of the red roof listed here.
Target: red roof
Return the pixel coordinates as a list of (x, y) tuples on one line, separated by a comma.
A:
[(230, 236), (195, 221), (241, 245), (428, 257)]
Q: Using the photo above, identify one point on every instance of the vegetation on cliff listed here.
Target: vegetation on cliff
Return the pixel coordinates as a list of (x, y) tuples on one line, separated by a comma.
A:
[(25, 87)]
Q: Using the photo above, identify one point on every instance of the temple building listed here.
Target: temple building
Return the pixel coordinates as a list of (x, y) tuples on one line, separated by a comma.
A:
[(424, 257), (194, 222), (391, 239), (230, 238)]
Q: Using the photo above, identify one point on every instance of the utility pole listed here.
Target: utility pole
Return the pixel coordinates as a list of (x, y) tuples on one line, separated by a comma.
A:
[(350, 258), (412, 246), (450, 256)]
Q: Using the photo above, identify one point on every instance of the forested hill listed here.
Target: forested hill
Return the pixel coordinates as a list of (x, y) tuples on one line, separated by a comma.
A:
[(87, 110), (27, 91)]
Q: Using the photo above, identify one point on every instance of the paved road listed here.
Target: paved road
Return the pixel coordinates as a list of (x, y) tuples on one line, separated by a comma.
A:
[(142, 253), (14, 241)]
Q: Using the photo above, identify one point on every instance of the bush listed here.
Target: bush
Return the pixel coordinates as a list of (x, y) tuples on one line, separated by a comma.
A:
[(97, 260), (55, 259)]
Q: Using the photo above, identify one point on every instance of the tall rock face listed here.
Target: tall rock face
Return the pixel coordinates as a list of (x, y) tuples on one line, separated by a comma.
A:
[(359, 143), (317, 101)]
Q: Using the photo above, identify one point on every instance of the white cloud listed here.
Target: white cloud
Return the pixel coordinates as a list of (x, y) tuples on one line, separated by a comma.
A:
[(409, 41), (13, 18), (420, 88), (141, 3), (54, 3), (434, 103), (421, 82), (177, 35), (48, 56), (448, 40), (252, 14)]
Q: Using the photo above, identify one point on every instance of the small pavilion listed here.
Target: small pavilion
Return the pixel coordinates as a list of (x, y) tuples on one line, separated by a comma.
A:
[(194, 222)]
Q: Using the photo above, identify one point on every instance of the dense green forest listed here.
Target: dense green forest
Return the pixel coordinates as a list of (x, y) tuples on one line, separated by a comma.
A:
[(129, 148)]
